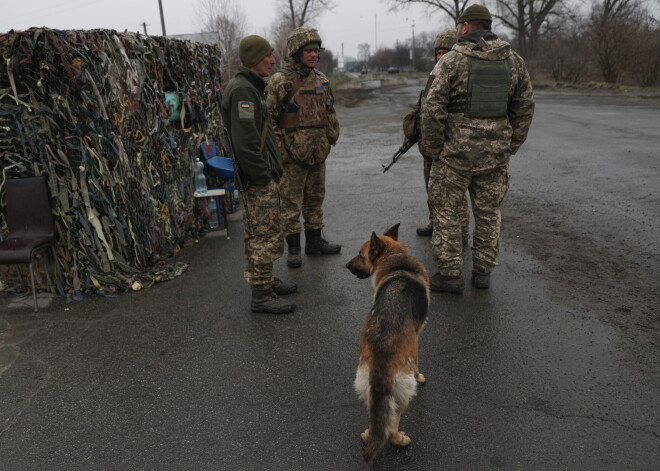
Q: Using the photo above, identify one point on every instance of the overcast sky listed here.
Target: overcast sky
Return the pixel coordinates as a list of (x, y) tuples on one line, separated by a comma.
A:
[(351, 23)]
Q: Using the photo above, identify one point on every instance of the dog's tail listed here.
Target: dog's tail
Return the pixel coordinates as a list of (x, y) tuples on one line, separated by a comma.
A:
[(381, 412)]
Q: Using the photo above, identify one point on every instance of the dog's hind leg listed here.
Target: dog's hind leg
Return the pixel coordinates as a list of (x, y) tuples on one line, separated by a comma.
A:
[(365, 436), (419, 377), (397, 437)]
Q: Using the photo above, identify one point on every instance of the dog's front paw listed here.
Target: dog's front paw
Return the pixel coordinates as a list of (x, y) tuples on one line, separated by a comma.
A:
[(365, 436), (421, 379), (400, 439)]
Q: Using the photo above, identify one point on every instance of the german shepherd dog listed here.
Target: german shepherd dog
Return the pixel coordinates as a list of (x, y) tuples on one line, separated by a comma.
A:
[(388, 372)]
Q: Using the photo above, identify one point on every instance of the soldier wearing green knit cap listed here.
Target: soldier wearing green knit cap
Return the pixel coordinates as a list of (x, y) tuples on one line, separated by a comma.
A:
[(302, 110), (476, 114), (245, 115)]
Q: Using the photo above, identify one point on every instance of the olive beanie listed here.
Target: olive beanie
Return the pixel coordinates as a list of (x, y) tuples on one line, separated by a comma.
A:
[(475, 13), (252, 50)]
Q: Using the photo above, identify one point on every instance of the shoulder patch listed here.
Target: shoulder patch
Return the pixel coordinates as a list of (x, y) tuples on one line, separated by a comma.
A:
[(245, 110)]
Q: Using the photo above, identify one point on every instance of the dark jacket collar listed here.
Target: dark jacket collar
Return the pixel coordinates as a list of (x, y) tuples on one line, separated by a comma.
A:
[(476, 36), (252, 77)]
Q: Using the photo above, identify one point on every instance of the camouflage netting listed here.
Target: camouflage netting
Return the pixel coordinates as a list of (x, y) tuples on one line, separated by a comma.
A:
[(88, 108)]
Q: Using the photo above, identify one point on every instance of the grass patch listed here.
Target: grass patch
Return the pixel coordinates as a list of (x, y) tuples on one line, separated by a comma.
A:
[(338, 79)]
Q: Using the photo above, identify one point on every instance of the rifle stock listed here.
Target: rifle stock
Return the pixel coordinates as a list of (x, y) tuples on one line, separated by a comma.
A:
[(226, 143)]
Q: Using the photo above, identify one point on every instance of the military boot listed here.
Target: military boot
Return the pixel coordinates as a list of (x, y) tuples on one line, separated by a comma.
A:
[(293, 259), (315, 244), (480, 280), (448, 284), (265, 300), (282, 288), (425, 231)]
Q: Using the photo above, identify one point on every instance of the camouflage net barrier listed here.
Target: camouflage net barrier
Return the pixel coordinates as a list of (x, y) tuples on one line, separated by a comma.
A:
[(91, 110)]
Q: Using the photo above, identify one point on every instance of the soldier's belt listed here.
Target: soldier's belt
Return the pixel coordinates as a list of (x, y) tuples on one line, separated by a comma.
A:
[(458, 106), (320, 126)]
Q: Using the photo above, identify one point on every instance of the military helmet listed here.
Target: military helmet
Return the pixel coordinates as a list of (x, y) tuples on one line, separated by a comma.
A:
[(300, 37), (445, 40)]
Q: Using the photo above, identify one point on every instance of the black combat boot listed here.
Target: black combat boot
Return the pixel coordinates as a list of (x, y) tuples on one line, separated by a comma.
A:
[(282, 288), (425, 231), (315, 244), (265, 300), (293, 259), (448, 284), (480, 280)]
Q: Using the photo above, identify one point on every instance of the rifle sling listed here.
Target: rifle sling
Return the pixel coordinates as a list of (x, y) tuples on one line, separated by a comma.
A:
[(264, 132)]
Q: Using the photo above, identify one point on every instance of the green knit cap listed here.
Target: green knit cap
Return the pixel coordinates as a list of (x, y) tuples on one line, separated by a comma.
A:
[(475, 13), (252, 50)]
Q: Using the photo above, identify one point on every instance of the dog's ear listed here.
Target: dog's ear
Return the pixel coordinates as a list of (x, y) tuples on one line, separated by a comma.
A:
[(393, 232), (375, 246)]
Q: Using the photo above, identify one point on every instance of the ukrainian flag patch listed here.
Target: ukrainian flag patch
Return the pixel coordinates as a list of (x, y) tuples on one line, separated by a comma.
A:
[(319, 90), (245, 110)]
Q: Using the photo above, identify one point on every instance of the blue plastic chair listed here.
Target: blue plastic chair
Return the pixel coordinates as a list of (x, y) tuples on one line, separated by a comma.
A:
[(223, 169)]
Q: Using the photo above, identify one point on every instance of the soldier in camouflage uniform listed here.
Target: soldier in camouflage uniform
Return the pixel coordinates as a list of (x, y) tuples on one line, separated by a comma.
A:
[(245, 114), (477, 113), (442, 45), (300, 103)]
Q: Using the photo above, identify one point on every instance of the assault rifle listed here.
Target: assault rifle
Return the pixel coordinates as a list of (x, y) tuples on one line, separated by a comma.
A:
[(408, 143), (226, 143)]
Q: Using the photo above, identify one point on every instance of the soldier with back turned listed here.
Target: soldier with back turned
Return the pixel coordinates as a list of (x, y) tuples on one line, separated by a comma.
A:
[(476, 114)]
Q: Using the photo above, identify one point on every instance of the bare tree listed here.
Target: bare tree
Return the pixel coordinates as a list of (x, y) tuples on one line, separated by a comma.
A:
[(453, 8), (564, 52), (302, 12), (279, 32), (646, 60), (613, 25), (364, 52), (527, 19), (228, 21)]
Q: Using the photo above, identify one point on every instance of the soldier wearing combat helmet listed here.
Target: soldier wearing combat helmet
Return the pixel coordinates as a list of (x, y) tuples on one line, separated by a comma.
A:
[(476, 114), (301, 107), (444, 41)]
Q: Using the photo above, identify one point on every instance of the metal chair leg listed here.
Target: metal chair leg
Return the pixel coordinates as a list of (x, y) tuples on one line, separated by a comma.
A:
[(34, 291), (20, 275), (225, 212), (50, 255)]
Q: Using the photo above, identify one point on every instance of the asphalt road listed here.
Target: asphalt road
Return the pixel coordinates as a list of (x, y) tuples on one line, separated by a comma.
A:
[(555, 367)]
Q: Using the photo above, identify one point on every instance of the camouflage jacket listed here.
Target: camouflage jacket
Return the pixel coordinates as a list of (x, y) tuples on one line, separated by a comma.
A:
[(244, 113), (303, 145), (475, 144)]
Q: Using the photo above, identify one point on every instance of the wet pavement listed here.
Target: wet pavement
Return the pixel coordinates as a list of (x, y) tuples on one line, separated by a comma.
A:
[(555, 367)]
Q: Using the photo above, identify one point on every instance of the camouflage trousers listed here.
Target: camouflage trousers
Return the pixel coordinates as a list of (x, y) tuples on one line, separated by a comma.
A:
[(465, 215), (267, 243), (447, 188), (303, 191)]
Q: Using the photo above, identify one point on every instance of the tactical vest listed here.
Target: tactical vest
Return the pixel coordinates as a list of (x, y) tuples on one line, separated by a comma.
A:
[(487, 90), (306, 106)]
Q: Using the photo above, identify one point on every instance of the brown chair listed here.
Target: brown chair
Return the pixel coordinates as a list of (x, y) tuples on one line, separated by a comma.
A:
[(29, 222)]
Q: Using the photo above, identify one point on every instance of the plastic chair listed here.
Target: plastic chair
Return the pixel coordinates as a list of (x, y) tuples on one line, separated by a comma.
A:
[(223, 169), (30, 224)]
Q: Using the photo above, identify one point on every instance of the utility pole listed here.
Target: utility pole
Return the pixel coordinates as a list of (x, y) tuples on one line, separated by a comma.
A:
[(144, 25), (376, 32), (412, 51), (162, 18)]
